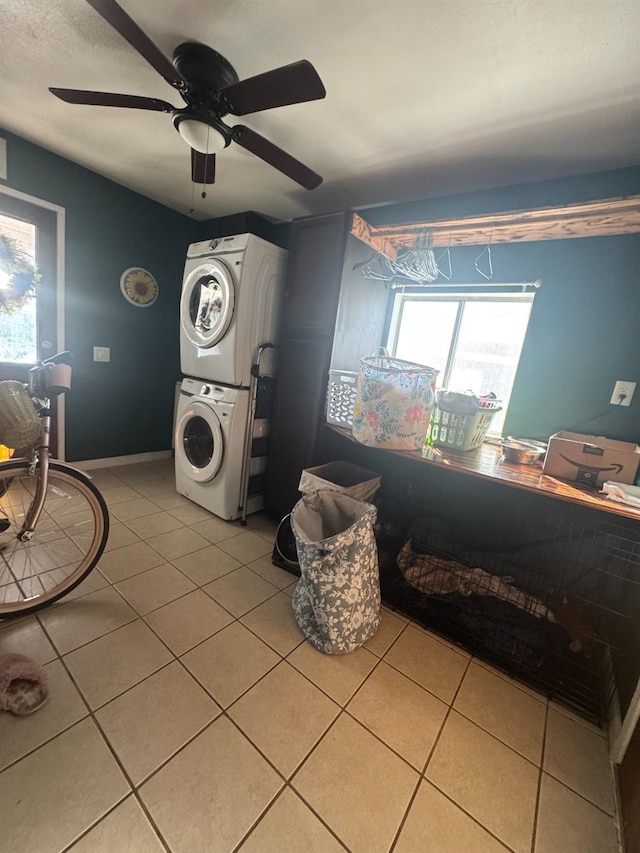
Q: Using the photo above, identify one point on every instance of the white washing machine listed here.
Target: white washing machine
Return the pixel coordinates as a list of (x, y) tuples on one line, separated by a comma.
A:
[(211, 446), (231, 303)]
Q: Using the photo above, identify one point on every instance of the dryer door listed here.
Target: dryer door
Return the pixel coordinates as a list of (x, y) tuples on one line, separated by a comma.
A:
[(199, 444), (206, 306)]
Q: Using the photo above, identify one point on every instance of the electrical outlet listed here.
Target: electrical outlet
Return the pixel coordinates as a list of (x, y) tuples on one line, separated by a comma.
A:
[(622, 393), (101, 354)]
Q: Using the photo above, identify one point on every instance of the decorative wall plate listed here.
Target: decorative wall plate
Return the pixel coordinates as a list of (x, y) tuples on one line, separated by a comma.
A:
[(139, 287)]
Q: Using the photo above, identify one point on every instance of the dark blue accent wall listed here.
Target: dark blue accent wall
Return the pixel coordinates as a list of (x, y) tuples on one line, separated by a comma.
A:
[(126, 406), (584, 331)]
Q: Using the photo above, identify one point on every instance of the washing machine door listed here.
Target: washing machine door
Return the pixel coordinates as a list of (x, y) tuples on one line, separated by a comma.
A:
[(199, 443), (206, 306)]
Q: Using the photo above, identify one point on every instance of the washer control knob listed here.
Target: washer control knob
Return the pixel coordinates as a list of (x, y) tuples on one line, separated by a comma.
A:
[(205, 390), (213, 244)]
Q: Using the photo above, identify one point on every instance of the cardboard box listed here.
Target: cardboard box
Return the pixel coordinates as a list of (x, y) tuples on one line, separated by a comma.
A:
[(591, 459)]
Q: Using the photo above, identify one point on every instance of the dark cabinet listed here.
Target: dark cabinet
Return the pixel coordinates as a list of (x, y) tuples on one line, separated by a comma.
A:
[(317, 248), (314, 276), (299, 407), (242, 223)]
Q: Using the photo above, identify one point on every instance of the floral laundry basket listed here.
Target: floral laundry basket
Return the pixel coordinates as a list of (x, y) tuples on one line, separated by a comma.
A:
[(393, 403), (337, 599)]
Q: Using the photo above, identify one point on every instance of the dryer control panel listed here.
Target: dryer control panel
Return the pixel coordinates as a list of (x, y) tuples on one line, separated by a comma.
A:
[(218, 246), (209, 391), (214, 392)]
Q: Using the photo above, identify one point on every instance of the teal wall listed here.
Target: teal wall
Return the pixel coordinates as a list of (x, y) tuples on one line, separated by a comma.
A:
[(584, 331), (125, 406)]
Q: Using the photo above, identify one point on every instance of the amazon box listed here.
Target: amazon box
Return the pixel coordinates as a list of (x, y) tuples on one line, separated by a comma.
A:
[(591, 459)]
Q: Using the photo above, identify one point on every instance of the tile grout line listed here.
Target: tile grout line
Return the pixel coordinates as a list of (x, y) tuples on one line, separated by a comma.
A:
[(421, 775), (536, 809), (497, 738), (287, 781), (581, 796), (114, 755), (278, 796), (430, 782), (130, 795), (343, 708), (302, 764), (260, 818)]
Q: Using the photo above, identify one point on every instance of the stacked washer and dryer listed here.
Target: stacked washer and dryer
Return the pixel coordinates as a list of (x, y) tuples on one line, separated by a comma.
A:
[(230, 310)]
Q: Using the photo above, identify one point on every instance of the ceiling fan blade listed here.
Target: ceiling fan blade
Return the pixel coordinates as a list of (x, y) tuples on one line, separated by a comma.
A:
[(139, 40), (276, 157), (110, 99), (290, 84), (203, 168)]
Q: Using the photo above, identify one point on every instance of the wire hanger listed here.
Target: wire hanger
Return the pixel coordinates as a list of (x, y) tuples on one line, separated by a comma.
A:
[(445, 252), (486, 251), (378, 267)]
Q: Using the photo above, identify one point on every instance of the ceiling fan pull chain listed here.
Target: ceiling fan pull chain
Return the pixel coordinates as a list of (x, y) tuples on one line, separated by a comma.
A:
[(206, 166)]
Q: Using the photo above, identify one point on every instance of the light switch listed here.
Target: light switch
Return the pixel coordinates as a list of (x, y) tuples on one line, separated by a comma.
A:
[(101, 354)]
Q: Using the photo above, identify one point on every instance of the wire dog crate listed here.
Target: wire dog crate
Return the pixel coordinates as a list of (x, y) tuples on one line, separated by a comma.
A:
[(548, 593)]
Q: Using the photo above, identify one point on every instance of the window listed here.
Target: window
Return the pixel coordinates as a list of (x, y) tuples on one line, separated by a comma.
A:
[(473, 340)]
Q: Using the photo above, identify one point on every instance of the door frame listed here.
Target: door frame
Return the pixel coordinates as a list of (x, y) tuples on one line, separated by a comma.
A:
[(59, 213)]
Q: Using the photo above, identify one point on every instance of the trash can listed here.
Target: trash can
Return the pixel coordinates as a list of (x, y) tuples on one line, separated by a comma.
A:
[(341, 476), (337, 599)]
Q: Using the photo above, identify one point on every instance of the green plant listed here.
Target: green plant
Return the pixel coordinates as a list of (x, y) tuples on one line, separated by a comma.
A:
[(18, 284)]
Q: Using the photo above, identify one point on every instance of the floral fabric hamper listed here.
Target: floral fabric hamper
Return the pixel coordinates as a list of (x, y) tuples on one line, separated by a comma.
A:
[(337, 599), (393, 403)]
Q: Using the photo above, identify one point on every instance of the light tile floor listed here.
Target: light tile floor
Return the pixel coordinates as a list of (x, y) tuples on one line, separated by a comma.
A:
[(188, 714)]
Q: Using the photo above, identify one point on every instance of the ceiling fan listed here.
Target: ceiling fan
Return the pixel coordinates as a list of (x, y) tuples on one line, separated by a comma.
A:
[(211, 89)]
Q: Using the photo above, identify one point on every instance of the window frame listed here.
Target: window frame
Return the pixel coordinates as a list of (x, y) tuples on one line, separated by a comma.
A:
[(455, 293), (49, 219)]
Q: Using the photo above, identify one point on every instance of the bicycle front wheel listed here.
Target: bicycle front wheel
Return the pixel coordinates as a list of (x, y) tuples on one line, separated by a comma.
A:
[(68, 541)]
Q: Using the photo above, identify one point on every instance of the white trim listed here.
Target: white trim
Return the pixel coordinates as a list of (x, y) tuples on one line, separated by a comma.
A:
[(3, 158), (60, 290), (133, 459), (631, 720)]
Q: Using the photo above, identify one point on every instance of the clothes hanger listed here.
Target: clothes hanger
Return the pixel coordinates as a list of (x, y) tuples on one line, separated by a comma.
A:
[(486, 251)]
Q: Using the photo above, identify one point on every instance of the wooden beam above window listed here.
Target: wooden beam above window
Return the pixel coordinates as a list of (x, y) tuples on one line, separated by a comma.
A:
[(588, 219)]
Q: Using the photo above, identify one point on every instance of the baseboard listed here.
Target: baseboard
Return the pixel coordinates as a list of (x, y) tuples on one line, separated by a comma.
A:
[(133, 459)]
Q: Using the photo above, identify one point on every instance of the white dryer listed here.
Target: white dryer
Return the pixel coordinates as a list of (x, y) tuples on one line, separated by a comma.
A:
[(231, 303), (210, 441)]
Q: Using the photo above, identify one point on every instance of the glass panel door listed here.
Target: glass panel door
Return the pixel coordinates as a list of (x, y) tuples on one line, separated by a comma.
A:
[(28, 326), (18, 327)]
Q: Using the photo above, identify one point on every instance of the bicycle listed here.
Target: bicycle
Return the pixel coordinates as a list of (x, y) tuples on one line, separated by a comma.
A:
[(54, 523)]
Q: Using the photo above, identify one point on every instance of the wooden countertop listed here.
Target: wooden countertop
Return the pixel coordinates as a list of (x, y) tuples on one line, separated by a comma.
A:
[(486, 464)]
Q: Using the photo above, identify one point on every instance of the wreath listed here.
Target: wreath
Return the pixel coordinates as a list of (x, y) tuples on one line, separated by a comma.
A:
[(18, 284)]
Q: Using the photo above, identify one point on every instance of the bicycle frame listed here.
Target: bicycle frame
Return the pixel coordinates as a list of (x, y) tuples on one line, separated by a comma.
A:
[(39, 468), (39, 464)]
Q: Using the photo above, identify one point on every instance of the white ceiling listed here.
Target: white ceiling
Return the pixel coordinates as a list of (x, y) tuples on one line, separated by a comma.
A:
[(424, 97)]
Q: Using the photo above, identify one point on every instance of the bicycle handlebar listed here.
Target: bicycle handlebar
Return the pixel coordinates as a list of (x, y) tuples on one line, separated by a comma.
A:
[(47, 381), (63, 357)]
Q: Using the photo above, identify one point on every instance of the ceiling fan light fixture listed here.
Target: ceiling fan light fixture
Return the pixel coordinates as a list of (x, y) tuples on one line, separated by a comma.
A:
[(201, 135)]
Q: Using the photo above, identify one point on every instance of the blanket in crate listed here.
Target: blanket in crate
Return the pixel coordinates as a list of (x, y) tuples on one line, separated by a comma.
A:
[(434, 575)]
